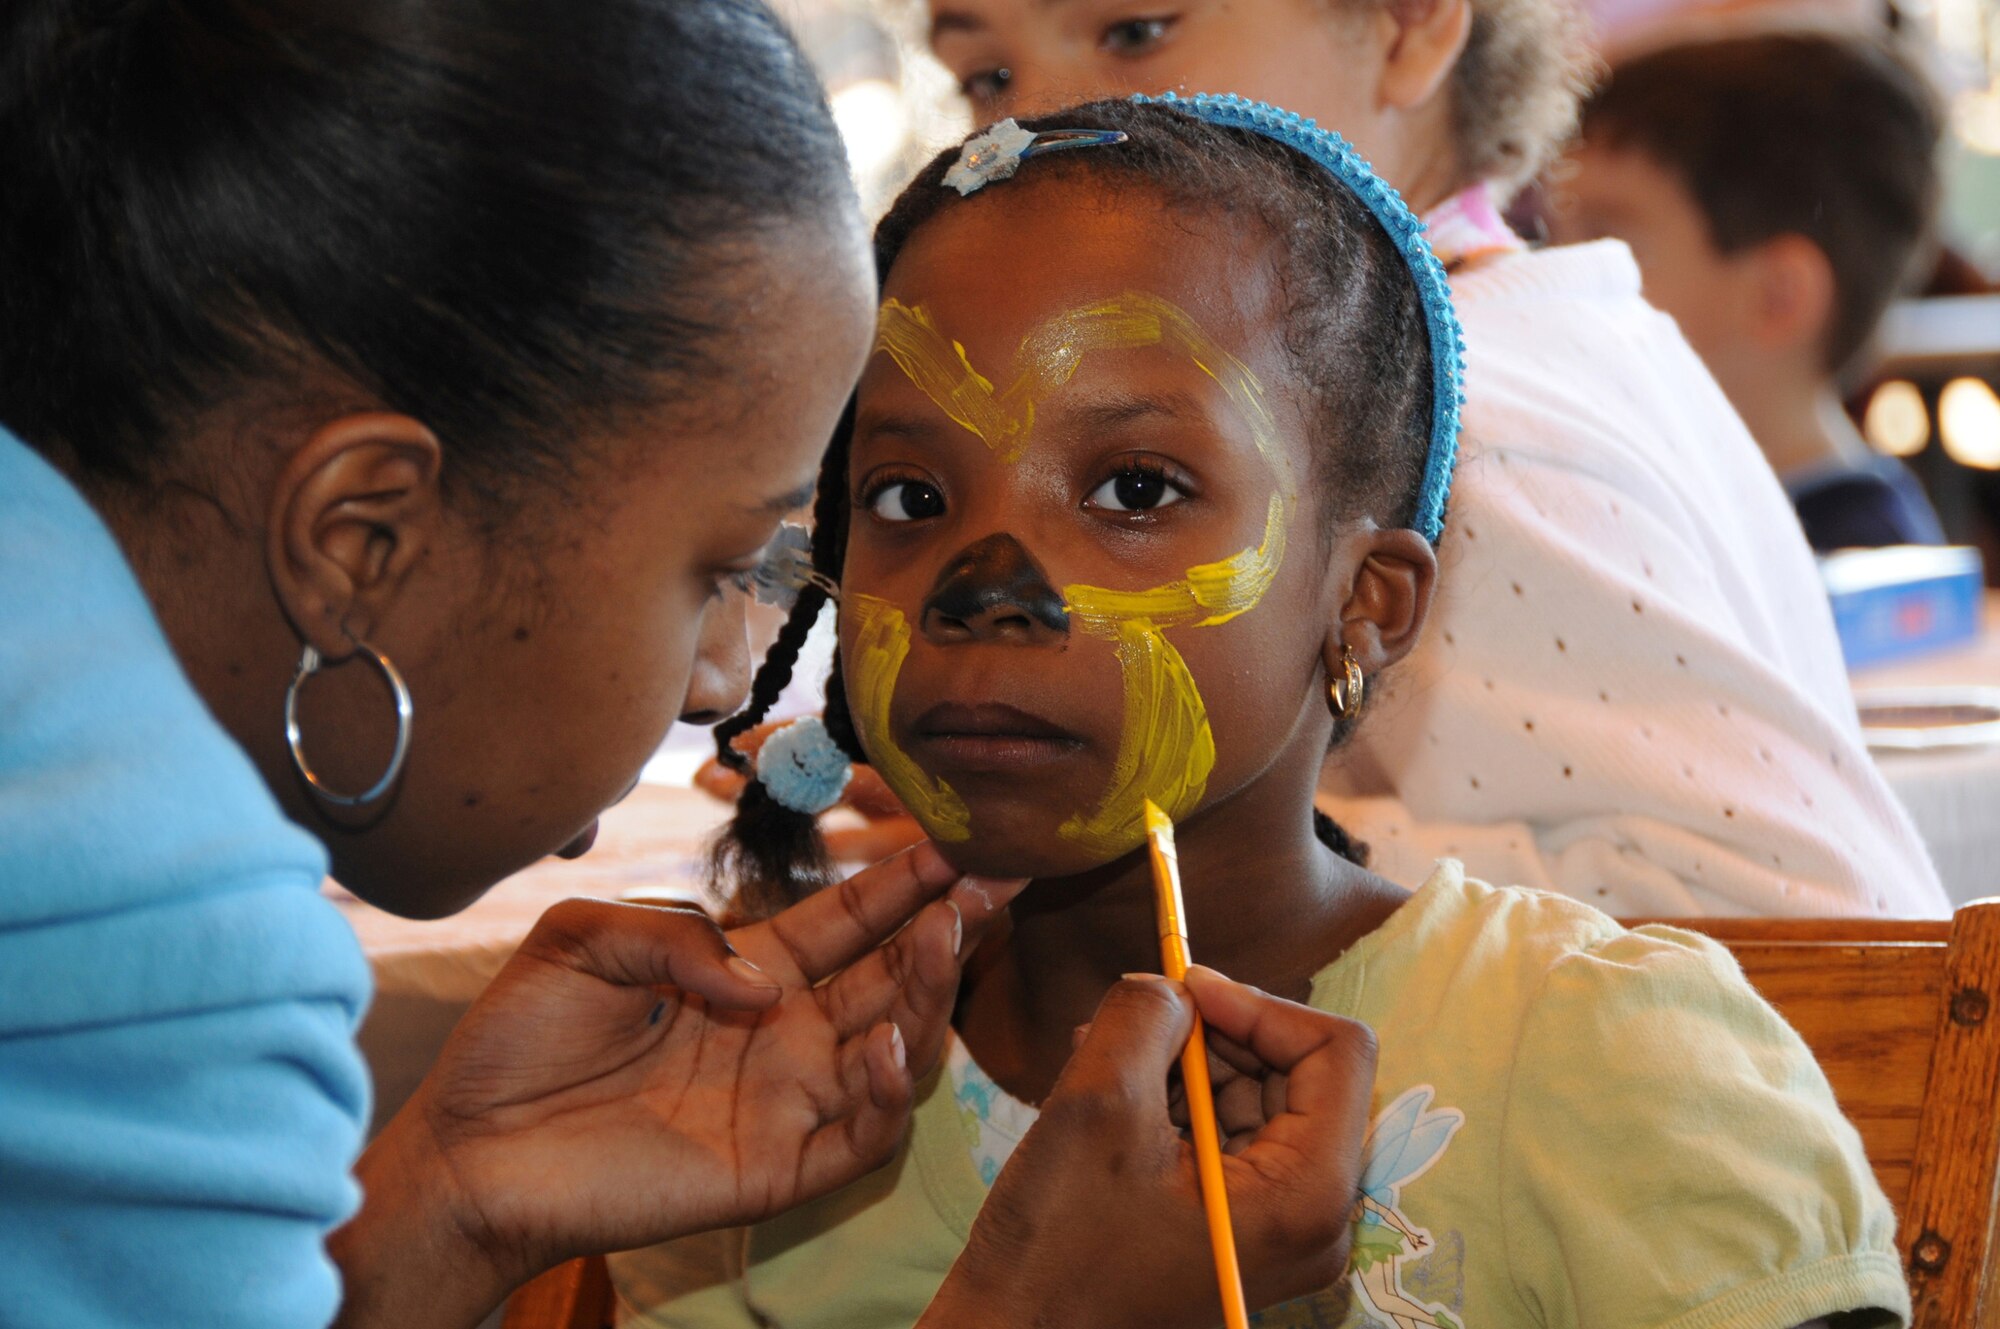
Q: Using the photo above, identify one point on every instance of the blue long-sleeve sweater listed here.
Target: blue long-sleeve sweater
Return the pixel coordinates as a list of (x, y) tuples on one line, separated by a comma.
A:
[(180, 1095)]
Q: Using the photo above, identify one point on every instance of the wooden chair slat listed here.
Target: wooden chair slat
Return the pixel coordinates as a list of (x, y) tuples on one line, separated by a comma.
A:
[(1947, 1228)]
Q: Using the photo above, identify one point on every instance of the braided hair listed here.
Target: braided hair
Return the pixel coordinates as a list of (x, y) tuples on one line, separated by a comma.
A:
[(1355, 332), (771, 855)]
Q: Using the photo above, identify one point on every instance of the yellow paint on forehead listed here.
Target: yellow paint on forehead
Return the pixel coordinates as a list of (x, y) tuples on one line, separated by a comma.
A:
[(1048, 358), (1166, 749), (881, 644)]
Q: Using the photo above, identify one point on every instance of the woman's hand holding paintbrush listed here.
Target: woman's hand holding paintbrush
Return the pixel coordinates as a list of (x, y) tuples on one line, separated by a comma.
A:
[(1098, 1220)]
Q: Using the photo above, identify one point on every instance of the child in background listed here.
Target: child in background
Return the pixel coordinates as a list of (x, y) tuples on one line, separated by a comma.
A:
[(1637, 698), (1218, 412), (1776, 189)]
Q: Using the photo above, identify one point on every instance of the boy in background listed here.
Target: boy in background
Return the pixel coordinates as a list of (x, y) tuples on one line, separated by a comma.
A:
[(1776, 189)]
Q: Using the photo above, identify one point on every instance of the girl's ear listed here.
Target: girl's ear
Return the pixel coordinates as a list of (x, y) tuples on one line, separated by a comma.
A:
[(1430, 36), (352, 512), (1387, 601)]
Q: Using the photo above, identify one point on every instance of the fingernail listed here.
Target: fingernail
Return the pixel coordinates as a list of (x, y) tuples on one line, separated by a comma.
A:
[(957, 927), (992, 892), (749, 973), (896, 1048), (1142, 978), (1078, 1034)]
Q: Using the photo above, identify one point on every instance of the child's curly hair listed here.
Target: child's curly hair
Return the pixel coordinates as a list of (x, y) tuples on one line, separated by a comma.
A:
[(1355, 332), (1517, 86)]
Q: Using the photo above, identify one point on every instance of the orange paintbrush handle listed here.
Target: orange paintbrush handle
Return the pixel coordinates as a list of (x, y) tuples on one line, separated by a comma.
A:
[(1208, 1150)]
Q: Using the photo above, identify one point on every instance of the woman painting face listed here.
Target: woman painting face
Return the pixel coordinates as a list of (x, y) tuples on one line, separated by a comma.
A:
[(1074, 497), (548, 654)]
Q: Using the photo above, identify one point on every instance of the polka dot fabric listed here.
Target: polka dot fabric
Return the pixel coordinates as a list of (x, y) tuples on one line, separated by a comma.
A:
[(1630, 690)]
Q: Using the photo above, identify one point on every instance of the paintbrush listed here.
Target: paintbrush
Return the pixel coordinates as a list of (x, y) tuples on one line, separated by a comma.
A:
[(1194, 1068)]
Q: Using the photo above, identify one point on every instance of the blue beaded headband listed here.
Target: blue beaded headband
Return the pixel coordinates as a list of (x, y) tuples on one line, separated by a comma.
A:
[(998, 153)]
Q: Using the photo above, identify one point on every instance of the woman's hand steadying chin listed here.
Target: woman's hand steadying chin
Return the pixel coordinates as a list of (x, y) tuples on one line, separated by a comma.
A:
[(627, 1078), (1097, 1219)]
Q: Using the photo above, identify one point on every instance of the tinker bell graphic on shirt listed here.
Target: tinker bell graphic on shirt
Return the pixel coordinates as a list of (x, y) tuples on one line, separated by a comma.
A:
[(1401, 1146)]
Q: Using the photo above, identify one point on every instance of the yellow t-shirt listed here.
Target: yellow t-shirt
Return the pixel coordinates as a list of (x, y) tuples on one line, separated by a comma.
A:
[(1576, 1125)]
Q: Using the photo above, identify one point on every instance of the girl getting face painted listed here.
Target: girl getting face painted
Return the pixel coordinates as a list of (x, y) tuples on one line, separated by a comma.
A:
[(1092, 521), (1166, 748)]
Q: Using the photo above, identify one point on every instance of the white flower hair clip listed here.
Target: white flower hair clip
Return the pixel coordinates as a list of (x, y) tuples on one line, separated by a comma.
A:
[(999, 152)]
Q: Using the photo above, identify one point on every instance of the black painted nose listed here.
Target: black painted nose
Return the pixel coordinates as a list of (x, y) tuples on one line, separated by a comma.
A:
[(993, 589)]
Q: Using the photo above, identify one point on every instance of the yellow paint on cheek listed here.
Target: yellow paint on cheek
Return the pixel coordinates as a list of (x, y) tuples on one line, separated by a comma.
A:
[(881, 645), (1211, 593), (1167, 749)]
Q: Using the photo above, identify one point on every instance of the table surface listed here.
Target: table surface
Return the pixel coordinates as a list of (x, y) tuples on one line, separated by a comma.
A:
[(1951, 793), (658, 837)]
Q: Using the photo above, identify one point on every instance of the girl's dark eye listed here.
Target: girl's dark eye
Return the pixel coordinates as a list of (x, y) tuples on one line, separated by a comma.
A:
[(1135, 36), (1135, 489), (906, 500), (986, 85)]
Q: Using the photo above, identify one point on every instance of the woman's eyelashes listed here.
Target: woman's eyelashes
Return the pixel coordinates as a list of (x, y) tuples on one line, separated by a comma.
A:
[(778, 561), (733, 579)]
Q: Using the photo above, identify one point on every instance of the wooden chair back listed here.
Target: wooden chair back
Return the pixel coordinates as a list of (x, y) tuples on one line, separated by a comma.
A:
[(1901, 1015), (1902, 1018)]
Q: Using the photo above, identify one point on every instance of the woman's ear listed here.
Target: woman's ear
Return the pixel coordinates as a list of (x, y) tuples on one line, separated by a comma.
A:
[(354, 509), (1430, 36), (1387, 602)]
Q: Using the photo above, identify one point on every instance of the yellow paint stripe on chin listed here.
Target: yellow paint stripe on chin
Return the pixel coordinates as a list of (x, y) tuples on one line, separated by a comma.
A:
[(880, 647)]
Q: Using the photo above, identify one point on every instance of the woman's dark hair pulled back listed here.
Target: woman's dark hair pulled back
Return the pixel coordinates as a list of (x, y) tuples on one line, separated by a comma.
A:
[(506, 218), (1354, 329)]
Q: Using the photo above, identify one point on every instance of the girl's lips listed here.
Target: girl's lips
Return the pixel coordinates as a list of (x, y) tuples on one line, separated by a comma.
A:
[(991, 738)]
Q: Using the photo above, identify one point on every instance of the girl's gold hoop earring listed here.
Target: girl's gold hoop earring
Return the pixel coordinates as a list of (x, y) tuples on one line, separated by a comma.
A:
[(309, 664), (1344, 696)]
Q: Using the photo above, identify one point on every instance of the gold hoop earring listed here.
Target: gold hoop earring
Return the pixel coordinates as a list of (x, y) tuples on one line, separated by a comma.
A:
[(1345, 693), (309, 664)]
